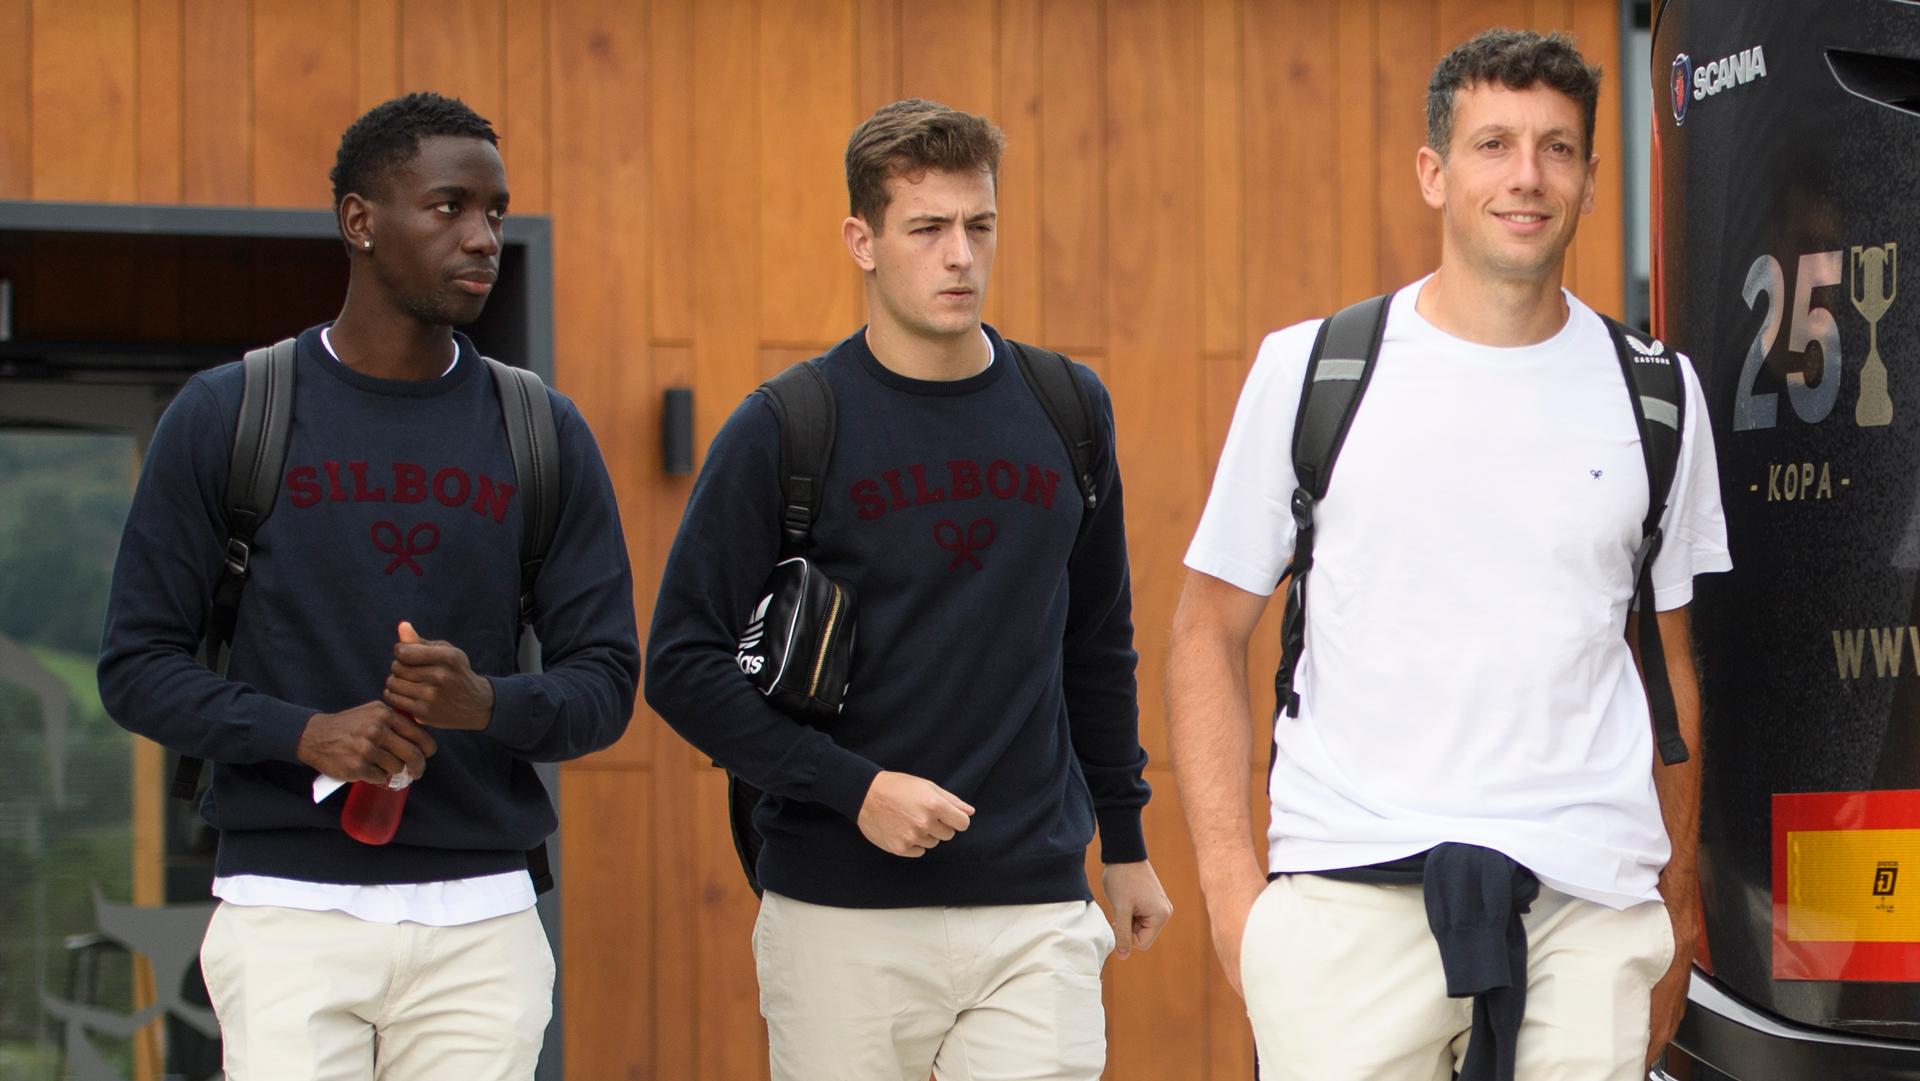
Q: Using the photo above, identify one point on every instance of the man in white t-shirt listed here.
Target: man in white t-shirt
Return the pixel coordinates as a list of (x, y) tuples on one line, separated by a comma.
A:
[(1465, 685)]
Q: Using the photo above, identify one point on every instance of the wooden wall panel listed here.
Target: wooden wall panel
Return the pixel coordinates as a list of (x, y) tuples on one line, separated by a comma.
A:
[(1223, 247), (610, 1016), (305, 71), (877, 44), (1013, 301), (1358, 151), (376, 52), (671, 160), (16, 101), (601, 215), (724, 264), (1073, 171), (1154, 300), (1409, 231), (158, 163), (941, 51), (84, 90), (807, 284), (523, 121), (1182, 177), (1290, 200), (457, 48), (217, 103), (1597, 261)]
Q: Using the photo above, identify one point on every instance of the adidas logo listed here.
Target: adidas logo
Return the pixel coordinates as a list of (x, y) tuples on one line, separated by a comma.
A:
[(756, 627)]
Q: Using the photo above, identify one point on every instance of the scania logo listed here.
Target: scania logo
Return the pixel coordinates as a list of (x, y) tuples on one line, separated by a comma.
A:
[(1680, 86)]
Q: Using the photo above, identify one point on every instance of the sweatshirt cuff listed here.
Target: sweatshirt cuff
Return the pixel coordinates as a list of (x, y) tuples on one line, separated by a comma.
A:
[(278, 738), (518, 720), (1122, 839), (841, 779)]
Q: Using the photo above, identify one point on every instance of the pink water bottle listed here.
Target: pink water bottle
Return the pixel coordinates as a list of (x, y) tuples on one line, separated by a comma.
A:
[(372, 812)]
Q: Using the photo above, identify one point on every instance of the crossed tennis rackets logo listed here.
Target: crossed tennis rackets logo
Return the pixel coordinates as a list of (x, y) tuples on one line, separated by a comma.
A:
[(418, 541), (977, 536)]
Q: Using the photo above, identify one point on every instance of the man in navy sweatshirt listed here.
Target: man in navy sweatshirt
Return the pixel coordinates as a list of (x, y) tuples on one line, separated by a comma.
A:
[(926, 901), (398, 509)]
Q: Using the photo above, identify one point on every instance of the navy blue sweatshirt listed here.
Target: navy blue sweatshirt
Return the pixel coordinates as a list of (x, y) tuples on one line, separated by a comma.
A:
[(994, 653), (398, 502)]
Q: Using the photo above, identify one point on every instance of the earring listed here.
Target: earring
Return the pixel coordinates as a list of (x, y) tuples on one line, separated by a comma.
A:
[(367, 244)]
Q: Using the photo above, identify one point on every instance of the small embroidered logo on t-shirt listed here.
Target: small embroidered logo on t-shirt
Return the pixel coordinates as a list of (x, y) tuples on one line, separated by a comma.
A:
[(1595, 472)]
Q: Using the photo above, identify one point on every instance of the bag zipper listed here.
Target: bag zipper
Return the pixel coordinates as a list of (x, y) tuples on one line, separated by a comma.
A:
[(826, 640)]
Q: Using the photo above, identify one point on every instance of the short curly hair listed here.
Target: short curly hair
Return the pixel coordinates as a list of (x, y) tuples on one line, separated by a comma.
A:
[(1517, 59), (389, 135), (908, 138)]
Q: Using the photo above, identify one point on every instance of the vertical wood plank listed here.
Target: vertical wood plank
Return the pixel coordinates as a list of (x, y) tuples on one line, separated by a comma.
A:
[(1223, 209), (1409, 230), (16, 101), (879, 54), (1290, 138), (84, 110), (600, 202), (454, 47), (158, 166), (671, 161), (1161, 998), (805, 86), (1597, 261), (1154, 371), (1357, 151), (306, 70), (1073, 171), (946, 54), (672, 819), (376, 52), (732, 1037), (727, 177), (1013, 299), (1458, 20), (217, 103), (524, 122), (605, 895)]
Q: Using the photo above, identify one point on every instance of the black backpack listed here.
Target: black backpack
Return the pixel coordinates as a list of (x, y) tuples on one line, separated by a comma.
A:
[(803, 402), (253, 484), (1341, 363)]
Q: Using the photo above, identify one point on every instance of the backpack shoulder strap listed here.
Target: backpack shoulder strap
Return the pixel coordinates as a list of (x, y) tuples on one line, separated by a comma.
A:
[(253, 484), (1657, 390), (1050, 376), (803, 402), (1338, 370), (535, 446)]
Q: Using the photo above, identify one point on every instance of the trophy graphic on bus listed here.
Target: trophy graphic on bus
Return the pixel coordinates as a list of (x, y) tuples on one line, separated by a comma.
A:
[(1874, 272)]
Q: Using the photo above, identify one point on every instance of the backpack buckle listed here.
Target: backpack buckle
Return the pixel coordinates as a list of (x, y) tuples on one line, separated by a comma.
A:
[(239, 553), (1303, 504)]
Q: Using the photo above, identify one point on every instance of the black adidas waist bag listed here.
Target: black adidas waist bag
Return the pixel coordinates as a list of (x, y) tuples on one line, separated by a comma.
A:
[(798, 644)]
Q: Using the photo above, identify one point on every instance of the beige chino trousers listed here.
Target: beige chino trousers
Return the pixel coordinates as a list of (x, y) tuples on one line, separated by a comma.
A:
[(322, 996), (1343, 980), (984, 993)]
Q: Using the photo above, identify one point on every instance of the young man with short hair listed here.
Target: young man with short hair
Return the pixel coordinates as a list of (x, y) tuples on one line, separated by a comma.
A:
[(399, 508), (1471, 727), (926, 901)]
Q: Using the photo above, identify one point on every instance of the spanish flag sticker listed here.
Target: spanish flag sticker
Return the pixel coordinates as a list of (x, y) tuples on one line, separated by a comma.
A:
[(1846, 886)]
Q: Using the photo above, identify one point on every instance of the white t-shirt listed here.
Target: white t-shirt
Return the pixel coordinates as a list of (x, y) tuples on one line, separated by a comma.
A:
[(1465, 676)]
